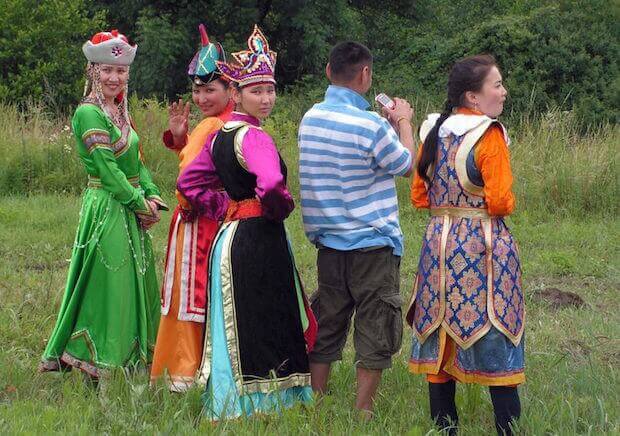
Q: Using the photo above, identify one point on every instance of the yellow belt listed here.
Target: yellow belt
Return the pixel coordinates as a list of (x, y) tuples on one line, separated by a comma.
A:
[(458, 212), (95, 182)]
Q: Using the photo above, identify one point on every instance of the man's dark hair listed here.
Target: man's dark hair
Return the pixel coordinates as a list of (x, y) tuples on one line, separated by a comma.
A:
[(347, 59)]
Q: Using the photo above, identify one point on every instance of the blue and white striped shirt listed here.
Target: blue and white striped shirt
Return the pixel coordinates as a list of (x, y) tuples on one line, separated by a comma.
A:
[(348, 159)]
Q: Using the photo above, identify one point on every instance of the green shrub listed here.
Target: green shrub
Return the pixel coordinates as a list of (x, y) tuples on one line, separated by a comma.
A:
[(40, 50), (552, 53), (559, 169)]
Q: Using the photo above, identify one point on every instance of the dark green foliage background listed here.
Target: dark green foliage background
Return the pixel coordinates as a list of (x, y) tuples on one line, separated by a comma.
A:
[(554, 53)]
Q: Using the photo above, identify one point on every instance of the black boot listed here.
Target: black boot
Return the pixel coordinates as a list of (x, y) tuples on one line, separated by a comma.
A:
[(506, 406), (443, 408)]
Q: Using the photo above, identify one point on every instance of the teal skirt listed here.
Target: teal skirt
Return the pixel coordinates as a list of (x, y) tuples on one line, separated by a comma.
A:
[(223, 398)]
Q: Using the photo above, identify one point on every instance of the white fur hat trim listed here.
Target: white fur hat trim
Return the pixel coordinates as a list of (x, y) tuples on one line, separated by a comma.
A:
[(114, 51)]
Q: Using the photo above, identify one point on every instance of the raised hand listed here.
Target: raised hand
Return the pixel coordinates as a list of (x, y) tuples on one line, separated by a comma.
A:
[(178, 116)]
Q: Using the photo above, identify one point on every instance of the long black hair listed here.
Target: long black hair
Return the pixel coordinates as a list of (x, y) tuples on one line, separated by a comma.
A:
[(467, 74)]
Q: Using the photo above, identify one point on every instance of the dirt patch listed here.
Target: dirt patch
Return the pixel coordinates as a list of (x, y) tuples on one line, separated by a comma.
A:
[(557, 299)]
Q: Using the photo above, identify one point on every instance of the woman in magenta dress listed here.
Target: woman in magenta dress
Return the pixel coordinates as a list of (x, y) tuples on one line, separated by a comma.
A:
[(259, 327)]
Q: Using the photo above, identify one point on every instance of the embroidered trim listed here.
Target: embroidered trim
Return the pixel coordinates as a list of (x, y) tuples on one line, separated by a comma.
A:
[(187, 258), (205, 366), (178, 384), (243, 128), (188, 266), (414, 294), (166, 289), (95, 182), (89, 343), (190, 312), (94, 137), (239, 146), (118, 147), (82, 365), (269, 385), (93, 367), (459, 212), (228, 300)]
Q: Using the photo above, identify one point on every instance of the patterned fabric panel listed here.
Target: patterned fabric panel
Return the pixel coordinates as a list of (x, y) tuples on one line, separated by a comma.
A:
[(492, 356), (466, 279), (467, 260), (508, 303), (438, 192), (427, 352), (446, 190), (427, 303), (94, 138)]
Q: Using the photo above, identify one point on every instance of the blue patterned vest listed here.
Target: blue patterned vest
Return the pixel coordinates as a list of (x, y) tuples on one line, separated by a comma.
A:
[(469, 274)]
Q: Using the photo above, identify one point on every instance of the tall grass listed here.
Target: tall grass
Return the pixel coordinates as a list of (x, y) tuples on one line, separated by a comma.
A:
[(562, 170), (567, 184), (559, 168), (573, 355)]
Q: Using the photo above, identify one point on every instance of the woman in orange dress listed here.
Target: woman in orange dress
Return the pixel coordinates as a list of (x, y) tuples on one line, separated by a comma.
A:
[(468, 311), (178, 350)]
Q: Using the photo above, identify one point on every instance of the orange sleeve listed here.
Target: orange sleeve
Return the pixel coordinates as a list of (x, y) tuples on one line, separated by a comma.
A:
[(493, 160), (419, 193)]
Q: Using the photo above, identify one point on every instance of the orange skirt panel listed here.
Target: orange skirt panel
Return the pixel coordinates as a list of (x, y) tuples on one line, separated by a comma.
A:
[(178, 350)]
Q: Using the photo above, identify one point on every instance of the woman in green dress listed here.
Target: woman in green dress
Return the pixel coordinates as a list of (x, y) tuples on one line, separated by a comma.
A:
[(110, 310)]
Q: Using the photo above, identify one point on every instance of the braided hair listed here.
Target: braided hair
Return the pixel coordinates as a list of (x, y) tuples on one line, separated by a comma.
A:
[(467, 74)]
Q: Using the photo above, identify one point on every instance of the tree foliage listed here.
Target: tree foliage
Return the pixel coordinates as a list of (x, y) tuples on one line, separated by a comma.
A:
[(552, 53), (40, 49), (560, 53)]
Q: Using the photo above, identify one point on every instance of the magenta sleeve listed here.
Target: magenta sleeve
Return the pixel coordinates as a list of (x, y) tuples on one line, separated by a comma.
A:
[(262, 160), (201, 186)]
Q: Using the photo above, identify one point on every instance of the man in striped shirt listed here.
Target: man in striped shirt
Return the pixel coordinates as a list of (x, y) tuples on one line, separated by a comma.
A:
[(349, 158)]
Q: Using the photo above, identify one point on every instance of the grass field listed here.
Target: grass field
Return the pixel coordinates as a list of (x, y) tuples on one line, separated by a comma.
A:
[(567, 227)]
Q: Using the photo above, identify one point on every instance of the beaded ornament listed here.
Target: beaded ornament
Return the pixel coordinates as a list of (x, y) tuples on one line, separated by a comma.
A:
[(256, 65)]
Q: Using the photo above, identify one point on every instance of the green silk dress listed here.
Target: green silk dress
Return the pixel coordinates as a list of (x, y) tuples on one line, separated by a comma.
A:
[(110, 310)]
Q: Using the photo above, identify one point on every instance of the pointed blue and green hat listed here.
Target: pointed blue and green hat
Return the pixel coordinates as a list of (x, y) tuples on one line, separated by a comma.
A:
[(203, 67)]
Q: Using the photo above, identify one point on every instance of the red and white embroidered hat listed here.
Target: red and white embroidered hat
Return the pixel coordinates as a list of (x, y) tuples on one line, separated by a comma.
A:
[(111, 48)]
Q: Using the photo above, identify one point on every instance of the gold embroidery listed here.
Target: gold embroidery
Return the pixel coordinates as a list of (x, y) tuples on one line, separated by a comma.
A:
[(228, 301), (269, 385), (239, 146), (95, 182), (459, 212)]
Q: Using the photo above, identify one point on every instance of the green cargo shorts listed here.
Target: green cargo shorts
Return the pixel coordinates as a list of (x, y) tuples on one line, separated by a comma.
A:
[(364, 282)]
